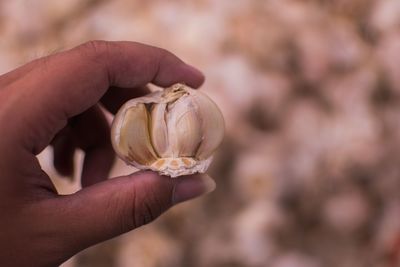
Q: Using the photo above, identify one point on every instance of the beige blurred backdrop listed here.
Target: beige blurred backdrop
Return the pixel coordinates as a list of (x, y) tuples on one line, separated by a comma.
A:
[(308, 175)]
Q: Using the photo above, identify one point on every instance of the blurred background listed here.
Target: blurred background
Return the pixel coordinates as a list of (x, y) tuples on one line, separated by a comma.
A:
[(308, 175)]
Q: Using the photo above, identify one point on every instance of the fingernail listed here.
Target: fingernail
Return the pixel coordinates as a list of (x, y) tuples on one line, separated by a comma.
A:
[(192, 187)]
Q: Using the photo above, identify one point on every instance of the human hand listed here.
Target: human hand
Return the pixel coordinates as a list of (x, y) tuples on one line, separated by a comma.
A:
[(56, 100)]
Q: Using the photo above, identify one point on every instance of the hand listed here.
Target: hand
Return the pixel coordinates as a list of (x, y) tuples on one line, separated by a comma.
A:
[(56, 100)]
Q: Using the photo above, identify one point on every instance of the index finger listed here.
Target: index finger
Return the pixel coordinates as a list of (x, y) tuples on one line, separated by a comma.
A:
[(68, 83)]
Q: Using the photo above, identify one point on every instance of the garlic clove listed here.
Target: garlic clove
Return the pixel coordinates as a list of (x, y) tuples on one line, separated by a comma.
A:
[(213, 125), (134, 140), (183, 119), (158, 130)]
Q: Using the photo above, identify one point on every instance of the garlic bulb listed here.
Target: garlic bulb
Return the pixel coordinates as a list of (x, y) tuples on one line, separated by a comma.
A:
[(174, 131)]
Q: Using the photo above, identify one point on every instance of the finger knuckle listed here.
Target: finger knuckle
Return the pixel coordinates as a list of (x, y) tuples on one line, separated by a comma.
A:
[(146, 208), (96, 49)]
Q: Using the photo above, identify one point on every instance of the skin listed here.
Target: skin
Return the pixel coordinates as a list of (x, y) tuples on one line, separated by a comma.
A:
[(56, 100)]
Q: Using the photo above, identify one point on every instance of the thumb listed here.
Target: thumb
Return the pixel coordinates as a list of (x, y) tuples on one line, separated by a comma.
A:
[(113, 207)]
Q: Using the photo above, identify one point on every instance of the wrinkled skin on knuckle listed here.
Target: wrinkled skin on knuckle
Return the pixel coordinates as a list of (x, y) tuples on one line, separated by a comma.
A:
[(95, 48), (144, 209), (96, 51), (148, 205), (118, 207)]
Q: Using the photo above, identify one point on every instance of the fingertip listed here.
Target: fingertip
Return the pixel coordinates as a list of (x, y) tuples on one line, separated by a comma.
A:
[(63, 156), (179, 189), (152, 178), (170, 70), (193, 186), (65, 169), (97, 165), (195, 77)]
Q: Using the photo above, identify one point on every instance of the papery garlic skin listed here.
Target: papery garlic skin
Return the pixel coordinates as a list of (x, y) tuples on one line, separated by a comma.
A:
[(174, 132)]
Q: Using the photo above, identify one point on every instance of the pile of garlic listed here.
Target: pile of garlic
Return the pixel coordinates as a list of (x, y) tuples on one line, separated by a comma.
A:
[(173, 132)]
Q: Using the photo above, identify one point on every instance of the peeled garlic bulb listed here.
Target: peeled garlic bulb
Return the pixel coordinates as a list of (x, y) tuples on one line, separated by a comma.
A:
[(173, 132)]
